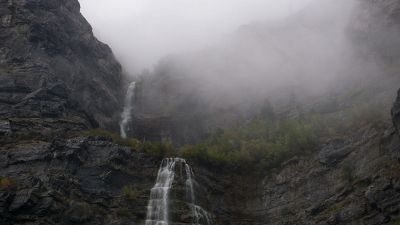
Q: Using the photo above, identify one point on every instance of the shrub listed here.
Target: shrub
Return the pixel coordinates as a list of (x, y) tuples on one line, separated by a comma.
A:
[(129, 192), (158, 149), (7, 183), (261, 144)]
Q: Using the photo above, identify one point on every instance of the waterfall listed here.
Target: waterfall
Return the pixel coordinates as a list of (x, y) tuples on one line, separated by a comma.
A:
[(127, 112), (197, 211), (158, 208)]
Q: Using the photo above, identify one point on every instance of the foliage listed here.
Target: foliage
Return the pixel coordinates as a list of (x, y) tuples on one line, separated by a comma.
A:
[(130, 192), (269, 140), (158, 149), (263, 143), (7, 183)]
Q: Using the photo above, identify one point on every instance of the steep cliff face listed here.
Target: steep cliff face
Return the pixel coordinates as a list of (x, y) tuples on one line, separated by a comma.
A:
[(51, 65), (56, 80)]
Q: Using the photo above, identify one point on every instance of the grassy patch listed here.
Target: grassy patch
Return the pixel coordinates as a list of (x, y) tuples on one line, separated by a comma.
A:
[(7, 183), (129, 192)]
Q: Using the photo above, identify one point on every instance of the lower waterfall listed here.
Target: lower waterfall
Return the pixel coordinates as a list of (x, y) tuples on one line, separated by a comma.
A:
[(159, 205)]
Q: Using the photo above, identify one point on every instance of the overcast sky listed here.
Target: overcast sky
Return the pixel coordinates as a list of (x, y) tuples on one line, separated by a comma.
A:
[(142, 31)]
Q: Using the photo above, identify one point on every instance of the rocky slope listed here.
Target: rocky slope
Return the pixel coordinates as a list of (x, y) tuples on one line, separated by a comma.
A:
[(352, 180)]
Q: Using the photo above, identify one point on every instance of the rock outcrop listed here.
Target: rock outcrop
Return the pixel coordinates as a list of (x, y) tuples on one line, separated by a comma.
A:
[(51, 65), (396, 113), (74, 181)]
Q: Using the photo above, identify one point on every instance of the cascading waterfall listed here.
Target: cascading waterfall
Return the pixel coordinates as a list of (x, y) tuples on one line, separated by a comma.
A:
[(127, 112), (158, 208), (197, 211)]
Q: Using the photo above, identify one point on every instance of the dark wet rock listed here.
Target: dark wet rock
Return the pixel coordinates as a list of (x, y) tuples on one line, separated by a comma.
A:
[(51, 64), (77, 181), (5, 127), (334, 151), (21, 199), (396, 112), (78, 213), (383, 196)]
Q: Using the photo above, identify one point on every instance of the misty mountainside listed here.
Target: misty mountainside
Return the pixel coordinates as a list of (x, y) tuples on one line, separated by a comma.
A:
[(292, 122), (309, 60)]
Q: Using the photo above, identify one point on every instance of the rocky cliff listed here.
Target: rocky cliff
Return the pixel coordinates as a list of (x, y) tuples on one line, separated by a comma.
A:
[(56, 80), (53, 68)]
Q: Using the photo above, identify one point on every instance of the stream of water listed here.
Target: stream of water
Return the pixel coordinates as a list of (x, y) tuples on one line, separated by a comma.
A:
[(127, 112), (158, 208)]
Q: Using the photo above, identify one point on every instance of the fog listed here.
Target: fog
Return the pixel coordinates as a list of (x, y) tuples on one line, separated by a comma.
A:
[(218, 63), (309, 51), (141, 32), (232, 55)]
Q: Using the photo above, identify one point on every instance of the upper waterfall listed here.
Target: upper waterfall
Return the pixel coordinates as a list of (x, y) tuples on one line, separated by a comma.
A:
[(127, 112)]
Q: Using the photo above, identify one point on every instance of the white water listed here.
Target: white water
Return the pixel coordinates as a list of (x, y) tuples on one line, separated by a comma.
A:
[(158, 206), (127, 113)]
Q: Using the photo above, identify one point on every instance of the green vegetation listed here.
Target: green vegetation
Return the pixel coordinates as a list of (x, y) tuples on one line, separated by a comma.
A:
[(269, 140), (7, 183), (129, 192), (152, 148), (262, 144)]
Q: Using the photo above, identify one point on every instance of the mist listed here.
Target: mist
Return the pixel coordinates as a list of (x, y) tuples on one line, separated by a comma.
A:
[(141, 32), (309, 51), (231, 56)]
